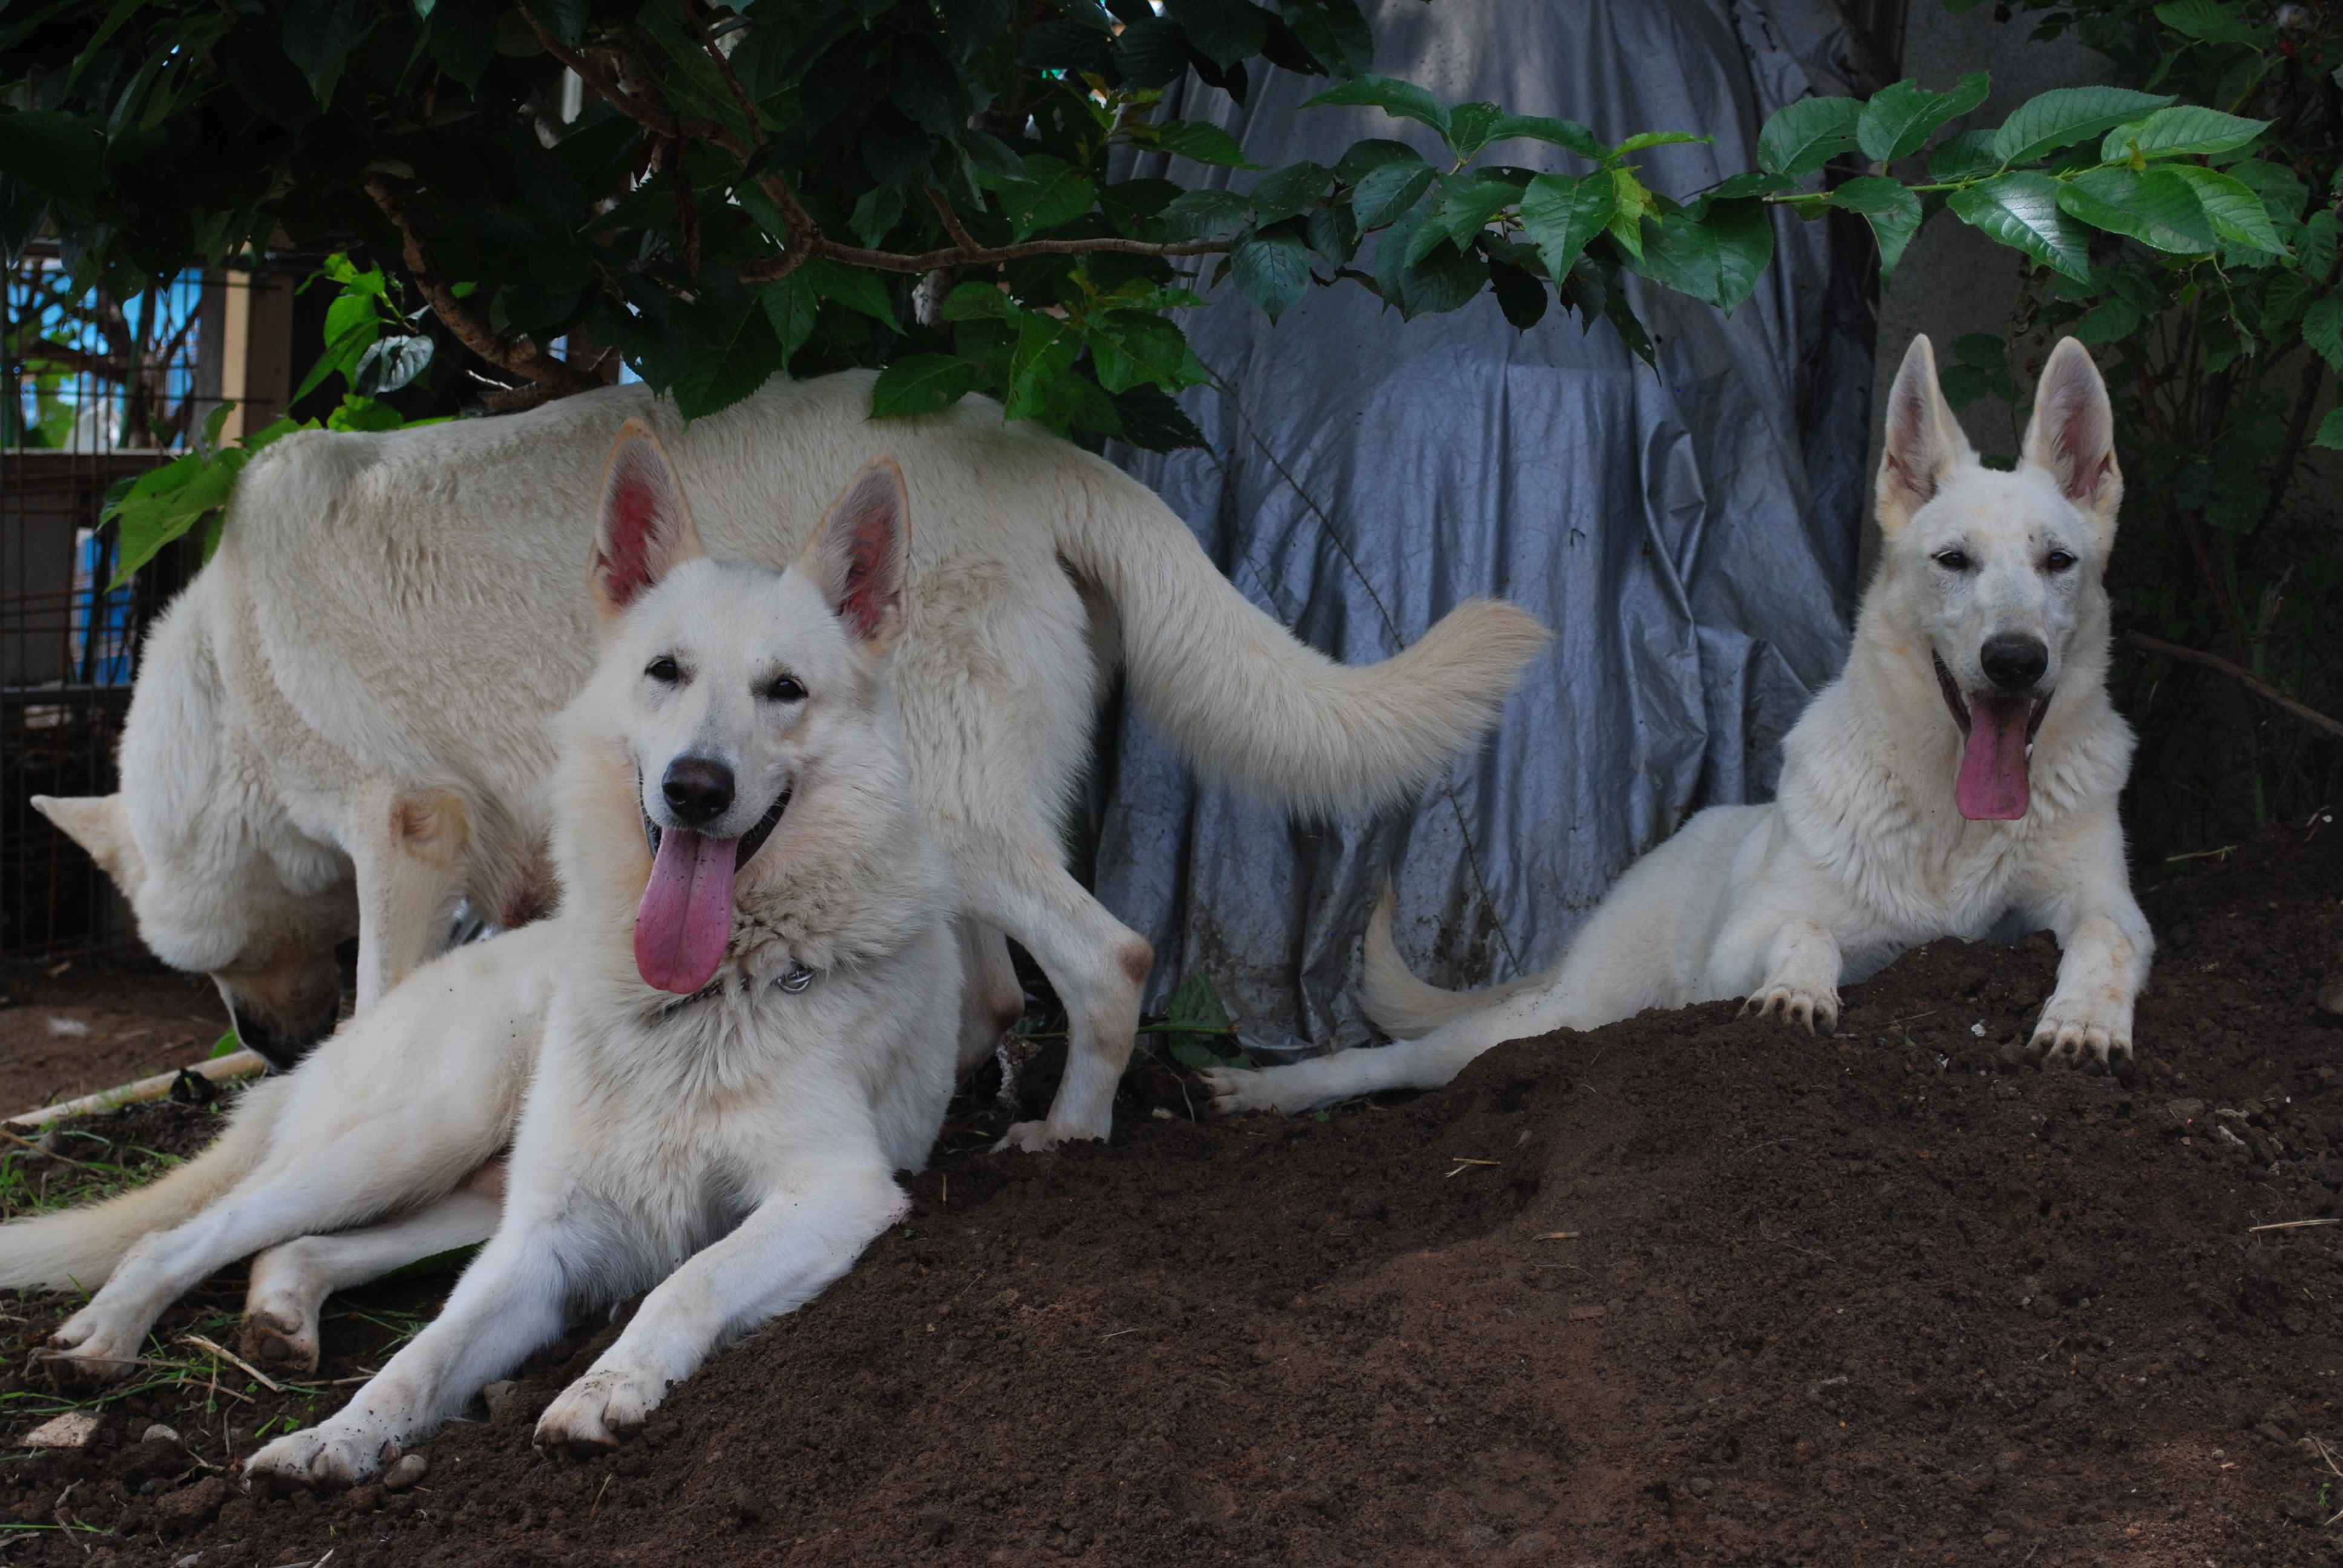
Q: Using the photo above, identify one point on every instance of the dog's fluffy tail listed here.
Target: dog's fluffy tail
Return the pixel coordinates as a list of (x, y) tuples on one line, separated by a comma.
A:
[(1246, 702), (1403, 1006), (78, 1248)]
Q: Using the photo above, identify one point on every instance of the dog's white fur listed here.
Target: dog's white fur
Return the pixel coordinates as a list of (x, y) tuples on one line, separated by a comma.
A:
[(1864, 852), (735, 1149), (343, 725)]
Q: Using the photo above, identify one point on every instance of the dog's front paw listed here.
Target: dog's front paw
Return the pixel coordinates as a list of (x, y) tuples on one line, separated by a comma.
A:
[(1797, 1004), (2072, 1027), (92, 1349), (1237, 1089), (598, 1411), (339, 1453), (1028, 1137)]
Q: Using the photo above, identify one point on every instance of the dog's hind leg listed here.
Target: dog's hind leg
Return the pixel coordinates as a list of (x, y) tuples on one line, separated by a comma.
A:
[(1096, 962), (290, 1283), (1425, 1062), (991, 1001)]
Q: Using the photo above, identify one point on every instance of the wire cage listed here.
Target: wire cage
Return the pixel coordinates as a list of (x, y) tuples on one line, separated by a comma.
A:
[(100, 390)]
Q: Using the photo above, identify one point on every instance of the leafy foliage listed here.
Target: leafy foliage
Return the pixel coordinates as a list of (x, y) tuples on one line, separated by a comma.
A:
[(2209, 296)]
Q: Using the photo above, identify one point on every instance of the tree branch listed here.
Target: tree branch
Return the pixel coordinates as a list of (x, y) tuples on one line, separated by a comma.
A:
[(2246, 679), (952, 225), (511, 352), (892, 261), (2295, 428)]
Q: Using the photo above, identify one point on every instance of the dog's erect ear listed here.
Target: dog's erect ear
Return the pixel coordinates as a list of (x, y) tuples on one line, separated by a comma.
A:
[(861, 553), (644, 527), (2072, 436), (1924, 442), (95, 822)]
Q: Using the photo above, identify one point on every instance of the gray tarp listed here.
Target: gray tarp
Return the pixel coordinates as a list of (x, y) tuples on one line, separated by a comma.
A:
[(1689, 536)]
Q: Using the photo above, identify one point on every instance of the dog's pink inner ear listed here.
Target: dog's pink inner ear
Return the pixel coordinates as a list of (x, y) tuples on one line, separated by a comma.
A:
[(646, 527), (863, 552), (2072, 433)]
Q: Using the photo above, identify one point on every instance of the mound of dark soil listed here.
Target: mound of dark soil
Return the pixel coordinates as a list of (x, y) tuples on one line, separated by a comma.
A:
[(1684, 1288)]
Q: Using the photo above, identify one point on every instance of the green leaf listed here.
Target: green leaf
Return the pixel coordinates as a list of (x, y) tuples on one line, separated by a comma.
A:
[(52, 152), (725, 367), (1715, 259), (1200, 213), (1967, 156), (1520, 295), (1894, 213), (1201, 143), (1281, 192), (2064, 116), (2322, 328), (854, 288), (1642, 139), (356, 412), (2207, 21), (1402, 99), (1469, 201), (1567, 133), (2330, 431), (2183, 131), (1899, 119), (1332, 233), (997, 159), (318, 36), (921, 383), (2156, 207), (2315, 251), (1154, 423), (1271, 268), (1132, 347), (1635, 205), (791, 308), (1560, 215), (1385, 192), (1801, 138), (2108, 321), (391, 364), (1053, 192), (977, 302), (1472, 126), (228, 1044), (877, 214), (2021, 210), (1196, 1005), (2238, 213), (1335, 35), (1225, 32)]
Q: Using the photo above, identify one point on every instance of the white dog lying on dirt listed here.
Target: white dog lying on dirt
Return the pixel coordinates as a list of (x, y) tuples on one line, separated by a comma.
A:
[(733, 821), (1963, 768), (342, 726)]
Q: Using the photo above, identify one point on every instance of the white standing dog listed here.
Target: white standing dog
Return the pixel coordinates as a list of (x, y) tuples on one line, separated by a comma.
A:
[(1964, 769), (738, 1026), (342, 726)]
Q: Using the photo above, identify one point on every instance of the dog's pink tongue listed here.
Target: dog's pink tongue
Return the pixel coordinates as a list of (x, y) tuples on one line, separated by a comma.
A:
[(686, 915), (1992, 786)]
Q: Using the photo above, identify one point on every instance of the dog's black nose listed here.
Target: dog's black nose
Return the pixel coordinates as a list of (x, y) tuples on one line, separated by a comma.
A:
[(2013, 663), (697, 790)]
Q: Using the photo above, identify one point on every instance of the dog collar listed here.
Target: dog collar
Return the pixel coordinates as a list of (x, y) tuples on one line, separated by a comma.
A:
[(795, 980)]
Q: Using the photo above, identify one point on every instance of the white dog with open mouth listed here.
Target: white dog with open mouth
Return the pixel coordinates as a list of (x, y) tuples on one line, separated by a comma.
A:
[(342, 727), (738, 1026), (1961, 770)]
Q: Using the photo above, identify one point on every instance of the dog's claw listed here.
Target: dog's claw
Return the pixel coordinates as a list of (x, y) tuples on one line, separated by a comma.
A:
[(1027, 1137), (1235, 1090), (2063, 1037), (1798, 1007)]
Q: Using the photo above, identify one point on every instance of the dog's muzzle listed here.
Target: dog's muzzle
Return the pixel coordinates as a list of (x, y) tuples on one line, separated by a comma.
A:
[(749, 843)]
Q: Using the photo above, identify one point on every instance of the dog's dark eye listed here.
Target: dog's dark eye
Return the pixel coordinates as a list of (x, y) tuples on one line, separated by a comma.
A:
[(664, 670), (2058, 561), (785, 688), (1953, 560)]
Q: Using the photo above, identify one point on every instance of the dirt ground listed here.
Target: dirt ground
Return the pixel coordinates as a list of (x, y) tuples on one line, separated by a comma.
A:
[(92, 1023), (1681, 1289)]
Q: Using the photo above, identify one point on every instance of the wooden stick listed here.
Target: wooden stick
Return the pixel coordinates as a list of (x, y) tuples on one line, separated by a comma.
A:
[(2245, 678), (229, 1356), (2292, 1225), (219, 1070)]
